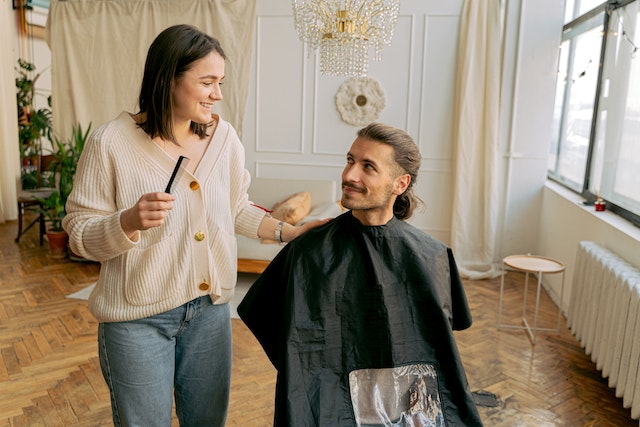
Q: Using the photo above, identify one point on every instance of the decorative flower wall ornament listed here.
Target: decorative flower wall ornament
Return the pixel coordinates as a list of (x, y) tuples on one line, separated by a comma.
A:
[(360, 100)]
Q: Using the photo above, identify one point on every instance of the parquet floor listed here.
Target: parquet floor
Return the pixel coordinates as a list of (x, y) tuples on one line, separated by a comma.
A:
[(50, 376)]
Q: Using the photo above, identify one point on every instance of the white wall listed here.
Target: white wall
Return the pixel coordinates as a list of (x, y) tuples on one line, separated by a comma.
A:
[(532, 38), (292, 128), (566, 222)]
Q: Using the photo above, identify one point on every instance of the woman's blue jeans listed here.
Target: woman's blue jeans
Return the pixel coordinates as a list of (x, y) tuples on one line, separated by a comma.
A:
[(185, 351)]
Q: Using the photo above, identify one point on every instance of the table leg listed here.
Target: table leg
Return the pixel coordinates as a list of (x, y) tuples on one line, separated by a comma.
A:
[(535, 318), (560, 304), (524, 298), (501, 296)]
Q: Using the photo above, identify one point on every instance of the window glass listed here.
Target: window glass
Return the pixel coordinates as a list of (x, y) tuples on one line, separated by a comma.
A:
[(616, 156), (575, 98)]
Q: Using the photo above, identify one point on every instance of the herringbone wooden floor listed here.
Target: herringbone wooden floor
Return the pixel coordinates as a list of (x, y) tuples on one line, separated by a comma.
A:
[(50, 376)]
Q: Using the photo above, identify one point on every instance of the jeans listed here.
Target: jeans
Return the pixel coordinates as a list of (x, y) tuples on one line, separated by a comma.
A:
[(184, 352)]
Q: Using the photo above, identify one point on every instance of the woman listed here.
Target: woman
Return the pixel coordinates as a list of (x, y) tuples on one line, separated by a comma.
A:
[(168, 259)]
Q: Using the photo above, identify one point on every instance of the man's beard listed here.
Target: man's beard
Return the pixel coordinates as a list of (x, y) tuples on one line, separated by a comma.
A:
[(365, 203)]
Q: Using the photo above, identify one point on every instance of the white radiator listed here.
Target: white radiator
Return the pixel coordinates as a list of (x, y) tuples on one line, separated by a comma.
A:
[(604, 315)]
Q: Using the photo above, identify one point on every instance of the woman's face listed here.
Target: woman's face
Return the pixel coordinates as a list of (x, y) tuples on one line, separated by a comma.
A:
[(194, 93)]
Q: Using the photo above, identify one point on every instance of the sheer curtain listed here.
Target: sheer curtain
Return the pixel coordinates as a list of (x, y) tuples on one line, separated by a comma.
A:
[(9, 149), (98, 49), (476, 192)]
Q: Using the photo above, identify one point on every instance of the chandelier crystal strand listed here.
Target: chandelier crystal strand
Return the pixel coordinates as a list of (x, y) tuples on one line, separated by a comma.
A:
[(345, 31)]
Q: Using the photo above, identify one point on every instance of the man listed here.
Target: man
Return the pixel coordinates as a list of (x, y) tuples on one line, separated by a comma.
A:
[(357, 315)]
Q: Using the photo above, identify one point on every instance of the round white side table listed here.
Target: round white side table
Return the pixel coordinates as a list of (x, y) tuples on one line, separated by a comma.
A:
[(537, 265)]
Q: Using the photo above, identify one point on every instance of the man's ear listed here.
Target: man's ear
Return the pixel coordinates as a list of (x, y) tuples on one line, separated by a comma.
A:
[(401, 184)]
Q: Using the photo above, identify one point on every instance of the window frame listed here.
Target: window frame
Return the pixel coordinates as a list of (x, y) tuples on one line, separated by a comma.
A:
[(589, 197)]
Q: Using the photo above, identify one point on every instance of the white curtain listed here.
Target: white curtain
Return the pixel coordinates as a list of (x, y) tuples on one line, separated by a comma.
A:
[(98, 50), (9, 148), (476, 205)]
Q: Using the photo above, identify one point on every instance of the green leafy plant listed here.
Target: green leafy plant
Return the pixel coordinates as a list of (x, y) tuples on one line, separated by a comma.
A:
[(53, 210), (66, 154), (33, 123), (29, 178)]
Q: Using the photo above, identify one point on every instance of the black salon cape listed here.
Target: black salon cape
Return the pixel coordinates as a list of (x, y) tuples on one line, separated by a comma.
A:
[(344, 296)]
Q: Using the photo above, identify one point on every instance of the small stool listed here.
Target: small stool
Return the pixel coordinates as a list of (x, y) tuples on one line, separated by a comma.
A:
[(531, 264), (28, 201)]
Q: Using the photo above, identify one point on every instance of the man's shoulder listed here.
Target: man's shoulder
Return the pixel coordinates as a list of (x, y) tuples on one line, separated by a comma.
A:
[(316, 242), (414, 233), (324, 231)]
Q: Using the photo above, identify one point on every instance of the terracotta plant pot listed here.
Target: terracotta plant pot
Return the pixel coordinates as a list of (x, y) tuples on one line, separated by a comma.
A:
[(58, 241)]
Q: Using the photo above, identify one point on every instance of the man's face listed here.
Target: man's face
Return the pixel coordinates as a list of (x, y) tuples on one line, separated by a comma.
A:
[(369, 182)]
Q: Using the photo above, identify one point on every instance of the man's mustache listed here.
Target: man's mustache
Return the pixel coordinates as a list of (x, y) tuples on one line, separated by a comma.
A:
[(352, 186)]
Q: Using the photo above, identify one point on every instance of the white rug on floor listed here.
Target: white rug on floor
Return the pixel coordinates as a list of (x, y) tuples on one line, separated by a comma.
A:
[(245, 281), (82, 293)]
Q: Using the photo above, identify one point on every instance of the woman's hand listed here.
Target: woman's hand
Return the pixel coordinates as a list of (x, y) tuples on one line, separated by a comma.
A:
[(148, 212), (291, 232)]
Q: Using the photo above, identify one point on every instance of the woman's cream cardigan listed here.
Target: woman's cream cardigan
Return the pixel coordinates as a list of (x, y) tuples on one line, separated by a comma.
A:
[(192, 254)]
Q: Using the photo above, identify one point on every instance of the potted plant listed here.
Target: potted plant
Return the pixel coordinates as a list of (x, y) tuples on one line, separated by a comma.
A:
[(33, 124), (53, 211), (66, 155)]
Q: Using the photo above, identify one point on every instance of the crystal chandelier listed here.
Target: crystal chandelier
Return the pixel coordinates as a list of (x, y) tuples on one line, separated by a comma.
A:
[(345, 30)]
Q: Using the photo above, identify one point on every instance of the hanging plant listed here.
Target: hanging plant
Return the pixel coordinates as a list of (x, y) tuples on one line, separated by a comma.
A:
[(33, 123)]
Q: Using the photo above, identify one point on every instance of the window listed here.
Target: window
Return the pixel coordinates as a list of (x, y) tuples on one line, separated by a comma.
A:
[(595, 148), (576, 8), (575, 100)]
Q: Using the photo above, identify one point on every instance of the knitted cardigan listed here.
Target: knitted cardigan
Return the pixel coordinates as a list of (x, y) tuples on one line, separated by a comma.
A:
[(194, 252)]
